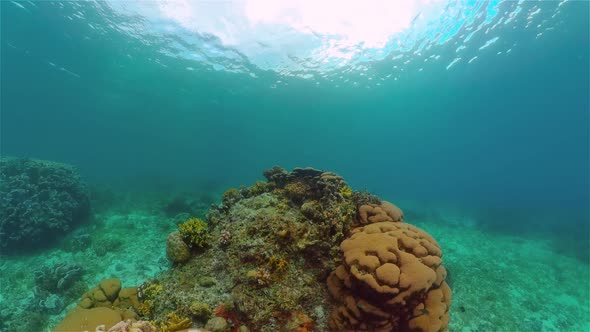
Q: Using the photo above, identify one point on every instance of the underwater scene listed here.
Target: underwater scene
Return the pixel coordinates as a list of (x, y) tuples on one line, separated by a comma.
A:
[(294, 166)]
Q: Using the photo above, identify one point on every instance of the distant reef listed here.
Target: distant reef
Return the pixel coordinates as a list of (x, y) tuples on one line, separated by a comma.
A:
[(301, 252), (40, 201)]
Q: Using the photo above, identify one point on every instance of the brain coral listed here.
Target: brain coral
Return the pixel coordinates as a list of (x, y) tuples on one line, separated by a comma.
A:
[(390, 279), (370, 213)]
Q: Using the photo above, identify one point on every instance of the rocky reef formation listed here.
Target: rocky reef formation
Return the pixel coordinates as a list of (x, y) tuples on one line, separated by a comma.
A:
[(39, 202), (299, 252)]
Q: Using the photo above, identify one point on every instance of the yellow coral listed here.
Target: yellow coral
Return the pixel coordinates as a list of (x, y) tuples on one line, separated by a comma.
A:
[(277, 264), (345, 191), (152, 290), (194, 232), (174, 322), (146, 308)]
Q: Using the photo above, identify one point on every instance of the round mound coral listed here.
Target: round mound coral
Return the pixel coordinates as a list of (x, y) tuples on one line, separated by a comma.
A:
[(390, 279)]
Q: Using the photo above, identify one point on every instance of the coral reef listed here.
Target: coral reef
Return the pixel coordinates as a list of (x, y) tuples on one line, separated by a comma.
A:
[(300, 252), (40, 201)]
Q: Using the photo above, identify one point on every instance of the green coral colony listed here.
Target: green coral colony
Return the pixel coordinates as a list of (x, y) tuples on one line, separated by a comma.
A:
[(299, 252)]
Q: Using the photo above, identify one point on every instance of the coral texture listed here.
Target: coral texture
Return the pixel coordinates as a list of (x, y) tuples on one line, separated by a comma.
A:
[(385, 211), (109, 294), (39, 202), (80, 319), (177, 251), (390, 279), (194, 233)]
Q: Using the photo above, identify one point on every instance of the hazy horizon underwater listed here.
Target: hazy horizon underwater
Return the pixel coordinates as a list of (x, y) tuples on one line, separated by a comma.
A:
[(418, 165)]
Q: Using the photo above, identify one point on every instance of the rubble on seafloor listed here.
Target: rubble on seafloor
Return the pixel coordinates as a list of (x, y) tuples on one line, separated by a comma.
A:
[(299, 252)]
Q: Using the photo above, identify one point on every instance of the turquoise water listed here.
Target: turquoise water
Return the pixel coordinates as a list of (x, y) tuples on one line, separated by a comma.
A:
[(473, 110)]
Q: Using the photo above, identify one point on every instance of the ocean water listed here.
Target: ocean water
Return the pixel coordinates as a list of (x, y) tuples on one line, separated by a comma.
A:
[(472, 116)]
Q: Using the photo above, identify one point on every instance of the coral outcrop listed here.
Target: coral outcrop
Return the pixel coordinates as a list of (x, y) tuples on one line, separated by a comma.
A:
[(109, 294), (299, 252), (192, 234), (40, 201)]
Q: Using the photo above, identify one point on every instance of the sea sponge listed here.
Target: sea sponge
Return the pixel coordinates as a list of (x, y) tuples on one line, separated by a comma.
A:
[(391, 278), (174, 323), (371, 213)]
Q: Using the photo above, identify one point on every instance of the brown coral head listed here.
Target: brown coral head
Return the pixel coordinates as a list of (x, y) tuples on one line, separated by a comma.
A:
[(276, 175), (391, 278), (297, 191), (372, 213)]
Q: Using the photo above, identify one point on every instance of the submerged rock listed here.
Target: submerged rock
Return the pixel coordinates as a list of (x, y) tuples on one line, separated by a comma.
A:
[(177, 250)]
